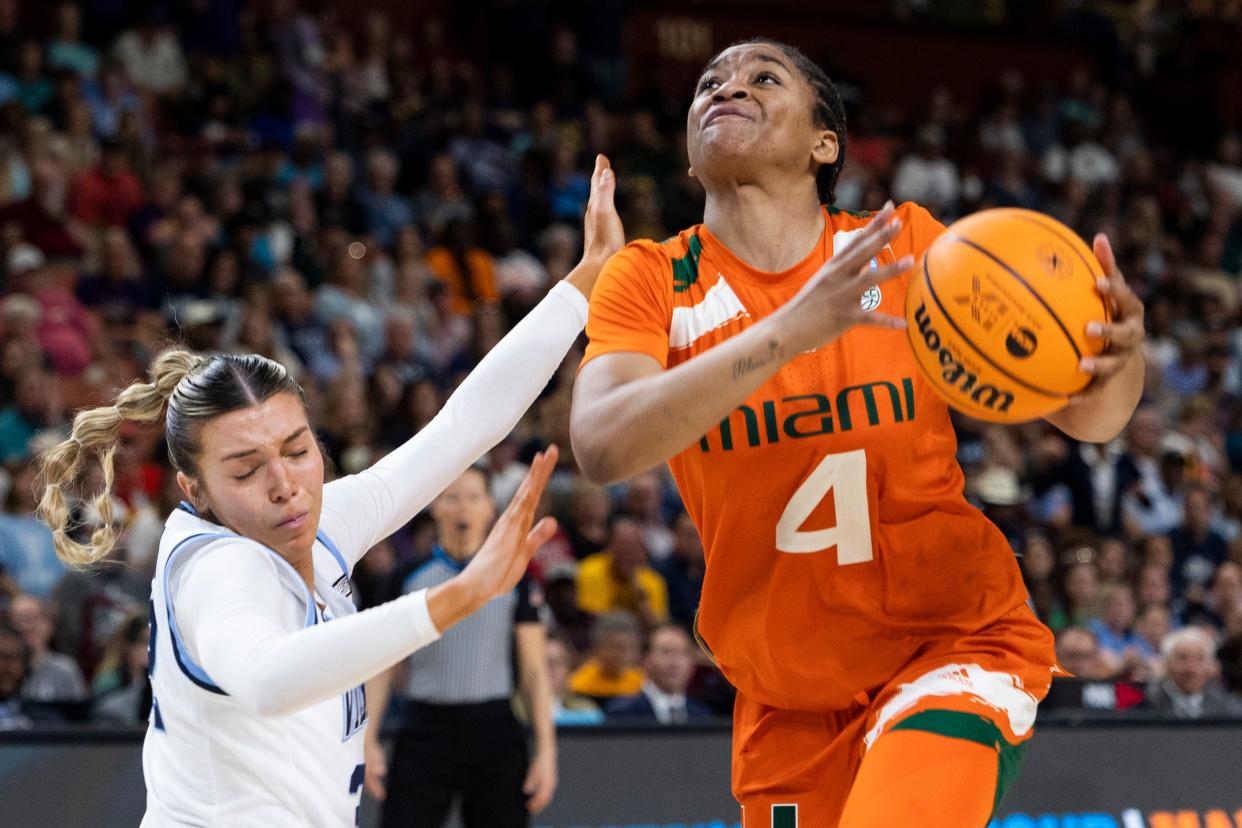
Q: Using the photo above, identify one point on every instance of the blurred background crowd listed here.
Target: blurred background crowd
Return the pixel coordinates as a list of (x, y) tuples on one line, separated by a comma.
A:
[(374, 203)]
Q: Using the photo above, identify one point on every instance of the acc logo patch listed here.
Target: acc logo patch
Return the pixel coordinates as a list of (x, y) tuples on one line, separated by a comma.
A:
[(870, 300)]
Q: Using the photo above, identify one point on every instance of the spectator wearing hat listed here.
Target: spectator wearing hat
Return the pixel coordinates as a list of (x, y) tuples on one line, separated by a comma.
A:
[(1188, 690), (1003, 499), (612, 670), (669, 667), (620, 579)]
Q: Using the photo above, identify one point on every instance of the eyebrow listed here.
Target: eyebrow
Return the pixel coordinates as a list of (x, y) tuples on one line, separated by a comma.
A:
[(237, 455), (761, 56)]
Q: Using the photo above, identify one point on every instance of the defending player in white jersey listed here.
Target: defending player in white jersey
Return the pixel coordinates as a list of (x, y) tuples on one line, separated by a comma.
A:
[(257, 654)]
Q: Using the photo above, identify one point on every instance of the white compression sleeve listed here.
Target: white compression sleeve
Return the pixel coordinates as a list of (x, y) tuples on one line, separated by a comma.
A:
[(362, 509), (232, 623)]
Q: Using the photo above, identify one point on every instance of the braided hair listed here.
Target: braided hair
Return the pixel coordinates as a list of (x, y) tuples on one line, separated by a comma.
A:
[(186, 389)]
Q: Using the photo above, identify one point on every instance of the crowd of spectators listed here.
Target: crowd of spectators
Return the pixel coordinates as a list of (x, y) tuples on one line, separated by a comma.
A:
[(374, 207)]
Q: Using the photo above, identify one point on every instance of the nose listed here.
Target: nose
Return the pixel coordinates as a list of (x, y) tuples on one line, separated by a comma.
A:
[(729, 91), (283, 485)]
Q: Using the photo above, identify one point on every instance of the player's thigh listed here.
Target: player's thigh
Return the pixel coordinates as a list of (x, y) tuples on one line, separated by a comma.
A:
[(966, 721), (793, 769), (916, 777)]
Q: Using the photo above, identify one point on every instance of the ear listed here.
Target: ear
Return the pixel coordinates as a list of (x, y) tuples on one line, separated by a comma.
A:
[(191, 489), (690, 172), (826, 148)]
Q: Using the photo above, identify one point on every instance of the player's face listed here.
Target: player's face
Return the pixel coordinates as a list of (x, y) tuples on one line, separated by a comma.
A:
[(262, 475), (752, 107)]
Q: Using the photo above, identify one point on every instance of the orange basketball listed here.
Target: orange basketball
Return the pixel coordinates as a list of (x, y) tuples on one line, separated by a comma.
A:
[(997, 312)]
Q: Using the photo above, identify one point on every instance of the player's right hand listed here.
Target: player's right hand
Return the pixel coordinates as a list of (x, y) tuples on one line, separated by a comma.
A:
[(830, 303), (376, 768), (602, 233), (502, 560)]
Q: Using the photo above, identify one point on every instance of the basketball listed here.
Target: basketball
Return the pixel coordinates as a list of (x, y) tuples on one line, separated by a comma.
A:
[(997, 311)]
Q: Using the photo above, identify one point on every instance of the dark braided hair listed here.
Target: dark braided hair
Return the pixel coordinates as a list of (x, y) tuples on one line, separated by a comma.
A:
[(828, 112)]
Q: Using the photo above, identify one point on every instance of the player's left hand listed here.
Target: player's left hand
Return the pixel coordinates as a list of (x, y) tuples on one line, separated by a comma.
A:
[(540, 781), (1124, 334)]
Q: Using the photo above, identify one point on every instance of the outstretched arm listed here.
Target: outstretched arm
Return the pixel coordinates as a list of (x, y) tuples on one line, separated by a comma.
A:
[(226, 611), (360, 510)]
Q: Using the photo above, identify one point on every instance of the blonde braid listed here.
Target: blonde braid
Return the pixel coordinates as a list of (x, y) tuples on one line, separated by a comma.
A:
[(95, 430)]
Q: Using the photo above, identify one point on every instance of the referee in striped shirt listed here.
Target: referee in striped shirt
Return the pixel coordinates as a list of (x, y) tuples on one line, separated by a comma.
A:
[(459, 737)]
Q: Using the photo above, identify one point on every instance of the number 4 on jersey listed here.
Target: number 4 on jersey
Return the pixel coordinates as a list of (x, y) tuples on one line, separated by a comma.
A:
[(845, 475)]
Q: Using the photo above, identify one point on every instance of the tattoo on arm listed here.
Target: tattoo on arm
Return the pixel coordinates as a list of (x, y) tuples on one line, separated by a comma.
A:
[(751, 363)]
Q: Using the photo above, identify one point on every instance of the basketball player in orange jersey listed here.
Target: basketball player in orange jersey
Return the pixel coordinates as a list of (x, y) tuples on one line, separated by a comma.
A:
[(874, 623)]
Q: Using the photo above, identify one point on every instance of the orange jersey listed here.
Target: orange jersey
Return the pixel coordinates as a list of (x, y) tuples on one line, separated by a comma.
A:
[(830, 503)]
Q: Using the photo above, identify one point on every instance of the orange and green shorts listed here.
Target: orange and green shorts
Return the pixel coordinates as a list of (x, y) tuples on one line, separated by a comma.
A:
[(795, 769)]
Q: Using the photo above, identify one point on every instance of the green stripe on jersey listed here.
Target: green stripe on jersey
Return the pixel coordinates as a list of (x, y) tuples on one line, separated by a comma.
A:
[(686, 269)]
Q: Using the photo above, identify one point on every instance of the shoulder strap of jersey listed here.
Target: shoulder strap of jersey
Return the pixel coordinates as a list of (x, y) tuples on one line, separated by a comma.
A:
[(334, 550)]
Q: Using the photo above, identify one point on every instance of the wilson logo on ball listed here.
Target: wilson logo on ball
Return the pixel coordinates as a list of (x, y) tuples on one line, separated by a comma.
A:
[(957, 375), (1021, 342)]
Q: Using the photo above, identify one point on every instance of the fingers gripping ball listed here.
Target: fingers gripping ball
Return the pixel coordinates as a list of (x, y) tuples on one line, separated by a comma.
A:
[(997, 311)]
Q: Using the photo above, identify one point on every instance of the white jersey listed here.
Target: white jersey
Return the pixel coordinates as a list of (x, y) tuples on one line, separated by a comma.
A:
[(208, 759), (258, 711)]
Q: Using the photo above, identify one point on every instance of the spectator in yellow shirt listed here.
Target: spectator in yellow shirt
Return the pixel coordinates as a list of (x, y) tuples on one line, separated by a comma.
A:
[(612, 670), (619, 578)]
